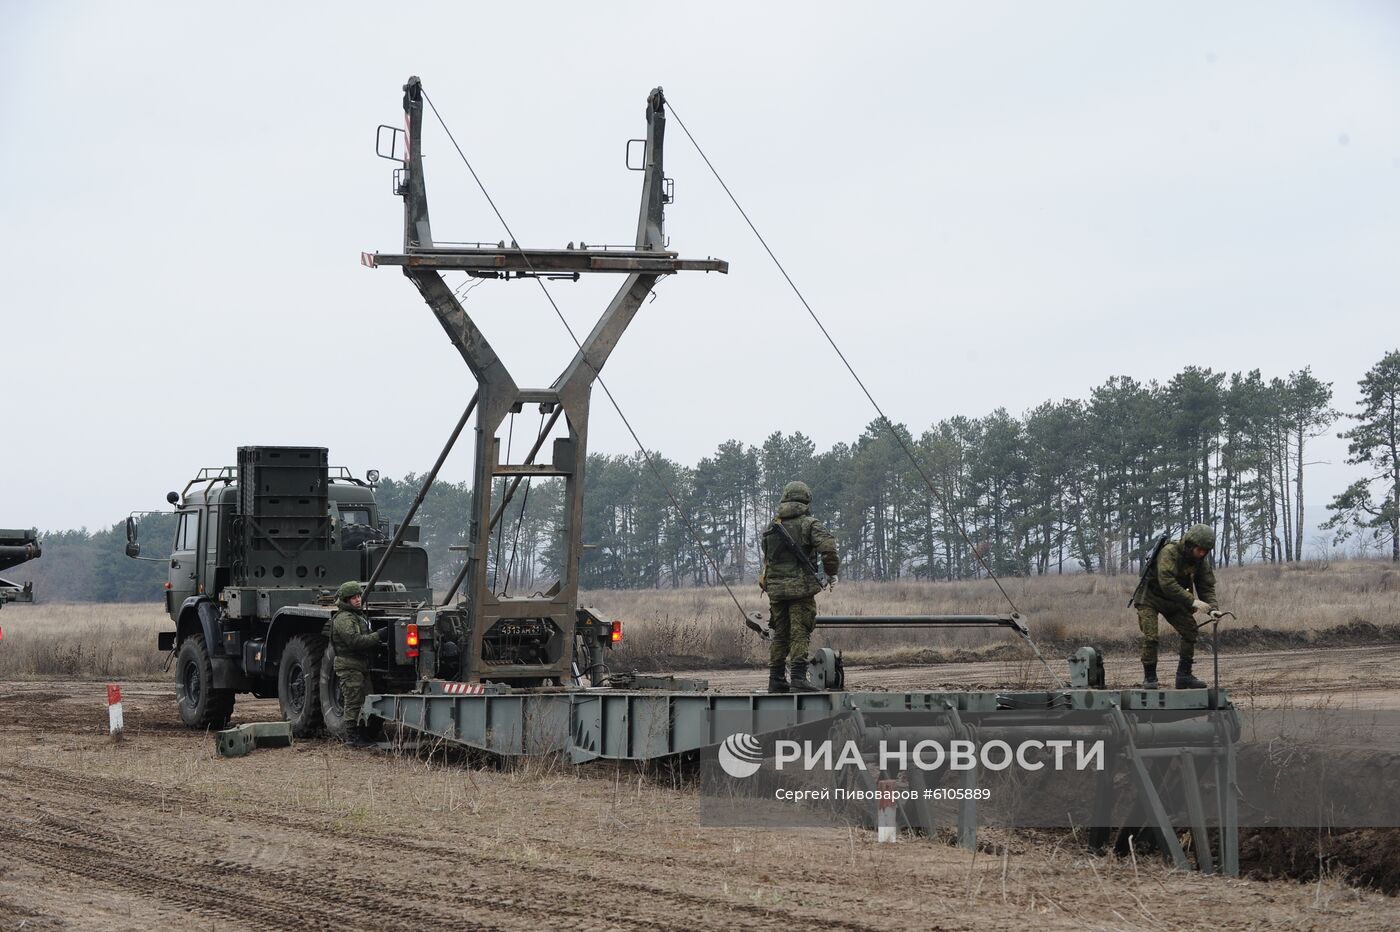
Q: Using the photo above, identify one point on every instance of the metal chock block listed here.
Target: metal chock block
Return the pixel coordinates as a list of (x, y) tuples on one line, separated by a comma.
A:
[(242, 739), (1086, 669)]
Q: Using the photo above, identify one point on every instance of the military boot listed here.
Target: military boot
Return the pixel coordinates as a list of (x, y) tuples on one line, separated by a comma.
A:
[(1184, 679), (800, 683), (1149, 676), (777, 677), (355, 737)]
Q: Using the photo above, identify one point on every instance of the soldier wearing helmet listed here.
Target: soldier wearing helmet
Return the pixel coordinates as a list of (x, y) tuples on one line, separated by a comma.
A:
[(791, 548), (1179, 583), (354, 645)]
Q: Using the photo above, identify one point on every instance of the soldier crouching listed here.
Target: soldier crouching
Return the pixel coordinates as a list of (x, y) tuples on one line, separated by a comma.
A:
[(1166, 590)]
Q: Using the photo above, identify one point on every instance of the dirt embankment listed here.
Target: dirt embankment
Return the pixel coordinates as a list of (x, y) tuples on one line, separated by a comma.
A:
[(1365, 857)]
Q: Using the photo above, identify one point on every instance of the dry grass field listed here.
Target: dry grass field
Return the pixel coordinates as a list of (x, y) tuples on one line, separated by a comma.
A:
[(1278, 607), (84, 640)]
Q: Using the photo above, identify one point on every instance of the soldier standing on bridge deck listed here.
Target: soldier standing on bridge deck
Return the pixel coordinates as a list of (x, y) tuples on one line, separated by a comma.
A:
[(791, 546), (1165, 589), (354, 645)]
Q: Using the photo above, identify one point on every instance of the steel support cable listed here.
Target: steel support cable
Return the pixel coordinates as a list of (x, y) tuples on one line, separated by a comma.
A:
[(529, 459), (641, 448), (520, 519), (501, 533), (889, 425)]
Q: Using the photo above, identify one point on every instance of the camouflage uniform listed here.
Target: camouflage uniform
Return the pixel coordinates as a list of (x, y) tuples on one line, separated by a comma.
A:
[(354, 645), (1166, 590), (791, 589)]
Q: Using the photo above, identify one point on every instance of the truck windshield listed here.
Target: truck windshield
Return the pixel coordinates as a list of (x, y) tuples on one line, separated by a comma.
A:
[(354, 516)]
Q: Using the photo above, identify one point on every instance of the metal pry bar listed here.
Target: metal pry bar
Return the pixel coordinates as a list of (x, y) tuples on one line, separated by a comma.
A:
[(1010, 620), (1214, 619)]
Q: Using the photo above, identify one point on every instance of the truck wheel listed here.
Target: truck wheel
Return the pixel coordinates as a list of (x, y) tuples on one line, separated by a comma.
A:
[(332, 710), (201, 705), (299, 683), (332, 713)]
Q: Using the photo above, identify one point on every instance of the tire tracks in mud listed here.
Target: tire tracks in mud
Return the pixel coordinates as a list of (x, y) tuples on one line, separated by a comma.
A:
[(14, 916), (44, 844), (320, 891), (318, 897), (669, 908)]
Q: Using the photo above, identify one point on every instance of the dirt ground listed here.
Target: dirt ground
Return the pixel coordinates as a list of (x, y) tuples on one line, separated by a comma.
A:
[(156, 831)]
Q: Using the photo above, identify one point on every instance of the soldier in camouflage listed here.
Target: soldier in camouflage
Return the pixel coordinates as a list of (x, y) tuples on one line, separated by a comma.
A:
[(1166, 590), (354, 645), (792, 587)]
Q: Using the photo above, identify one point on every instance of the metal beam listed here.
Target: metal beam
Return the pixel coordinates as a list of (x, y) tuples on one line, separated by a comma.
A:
[(651, 221), (1200, 835), (1148, 796), (491, 374), (543, 261), (417, 229), (545, 470), (428, 481)]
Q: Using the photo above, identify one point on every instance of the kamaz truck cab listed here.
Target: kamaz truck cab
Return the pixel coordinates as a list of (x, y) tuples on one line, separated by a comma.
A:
[(259, 551)]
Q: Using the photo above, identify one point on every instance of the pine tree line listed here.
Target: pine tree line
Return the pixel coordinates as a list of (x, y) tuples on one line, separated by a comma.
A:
[(1074, 485)]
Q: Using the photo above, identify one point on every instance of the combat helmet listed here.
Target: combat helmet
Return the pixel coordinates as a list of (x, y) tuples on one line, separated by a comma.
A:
[(348, 590), (1200, 535), (797, 492)]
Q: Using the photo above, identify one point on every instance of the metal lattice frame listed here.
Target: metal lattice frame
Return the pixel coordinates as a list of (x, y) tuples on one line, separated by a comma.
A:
[(498, 394)]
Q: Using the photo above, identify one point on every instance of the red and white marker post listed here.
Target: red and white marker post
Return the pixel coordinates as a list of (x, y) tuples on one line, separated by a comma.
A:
[(114, 709), (887, 811)]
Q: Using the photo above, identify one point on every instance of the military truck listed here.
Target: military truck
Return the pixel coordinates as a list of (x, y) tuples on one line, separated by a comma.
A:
[(17, 546), (259, 551)]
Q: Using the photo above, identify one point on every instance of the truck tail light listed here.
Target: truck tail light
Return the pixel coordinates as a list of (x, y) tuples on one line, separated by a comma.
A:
[(411, 639), (616, 631)]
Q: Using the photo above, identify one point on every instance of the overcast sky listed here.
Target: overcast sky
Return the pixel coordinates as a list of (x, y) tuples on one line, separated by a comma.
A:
[(988, 205)]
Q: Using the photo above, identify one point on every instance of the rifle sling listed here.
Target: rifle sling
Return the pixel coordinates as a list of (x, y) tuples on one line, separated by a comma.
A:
[(786, 536), (1148, 569)]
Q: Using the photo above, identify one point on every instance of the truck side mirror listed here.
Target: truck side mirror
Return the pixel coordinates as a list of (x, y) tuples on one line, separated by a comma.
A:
[(133, 548), (173, 498)]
